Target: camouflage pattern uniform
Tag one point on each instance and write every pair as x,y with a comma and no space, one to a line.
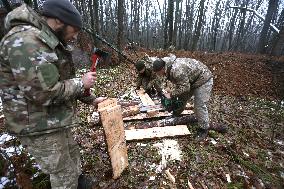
148,80
190,77
39,92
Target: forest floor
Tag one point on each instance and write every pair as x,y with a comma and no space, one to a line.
248,96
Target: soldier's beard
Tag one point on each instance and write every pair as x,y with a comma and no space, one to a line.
60,33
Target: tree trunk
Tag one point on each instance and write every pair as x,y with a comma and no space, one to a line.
7,5
263,39
91,8
188,24
96,21
215,25
102,29
120,12
35,4
171,21
198,25
177,22
232,28
29,2
241,31
278,47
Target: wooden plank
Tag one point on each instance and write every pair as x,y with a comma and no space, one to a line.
131,111
111,117
145,99
110,102
142,116
152,112
156,132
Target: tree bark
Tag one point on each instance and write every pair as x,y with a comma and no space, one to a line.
198,25
120,12
278,47
35,4
263,39
7,5
177,23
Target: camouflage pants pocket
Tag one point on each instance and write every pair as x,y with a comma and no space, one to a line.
58,155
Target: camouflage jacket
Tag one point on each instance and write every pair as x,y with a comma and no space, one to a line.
148,79
37,77
186,74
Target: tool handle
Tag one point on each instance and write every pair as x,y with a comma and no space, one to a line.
95,59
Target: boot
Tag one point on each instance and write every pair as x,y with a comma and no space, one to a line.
201,134
86,182
218,127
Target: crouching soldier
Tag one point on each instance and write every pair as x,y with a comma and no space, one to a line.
190,77
147,79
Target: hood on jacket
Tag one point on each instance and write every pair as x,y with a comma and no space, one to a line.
22,15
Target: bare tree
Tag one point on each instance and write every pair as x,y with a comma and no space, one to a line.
7,5
215,25
168,28
188,23
198,25
240,29
120,12
177,21
263,39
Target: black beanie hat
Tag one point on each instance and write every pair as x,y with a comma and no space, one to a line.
158,65
63,10
139,65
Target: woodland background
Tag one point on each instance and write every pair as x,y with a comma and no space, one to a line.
206,25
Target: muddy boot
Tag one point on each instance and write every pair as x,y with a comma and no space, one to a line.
218,127
201,134
86,182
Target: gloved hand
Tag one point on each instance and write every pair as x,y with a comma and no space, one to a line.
167,103
178,106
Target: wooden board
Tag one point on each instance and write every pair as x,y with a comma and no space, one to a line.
131,111
110,102
156,132
111,117
142,116
145,99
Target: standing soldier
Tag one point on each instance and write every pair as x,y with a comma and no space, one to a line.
39,88
147,79
191,77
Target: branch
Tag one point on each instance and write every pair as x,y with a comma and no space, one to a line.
109,44
274,28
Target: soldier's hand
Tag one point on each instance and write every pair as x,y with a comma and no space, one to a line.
89,79
98,100
167,95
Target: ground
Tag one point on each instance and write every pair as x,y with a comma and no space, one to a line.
247,96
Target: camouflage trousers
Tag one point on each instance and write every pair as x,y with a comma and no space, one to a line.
58,155
201,97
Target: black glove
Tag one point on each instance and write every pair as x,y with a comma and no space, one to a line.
178,106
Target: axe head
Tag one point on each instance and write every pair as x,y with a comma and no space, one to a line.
102,54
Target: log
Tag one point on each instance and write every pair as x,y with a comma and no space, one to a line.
111,118
156,132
